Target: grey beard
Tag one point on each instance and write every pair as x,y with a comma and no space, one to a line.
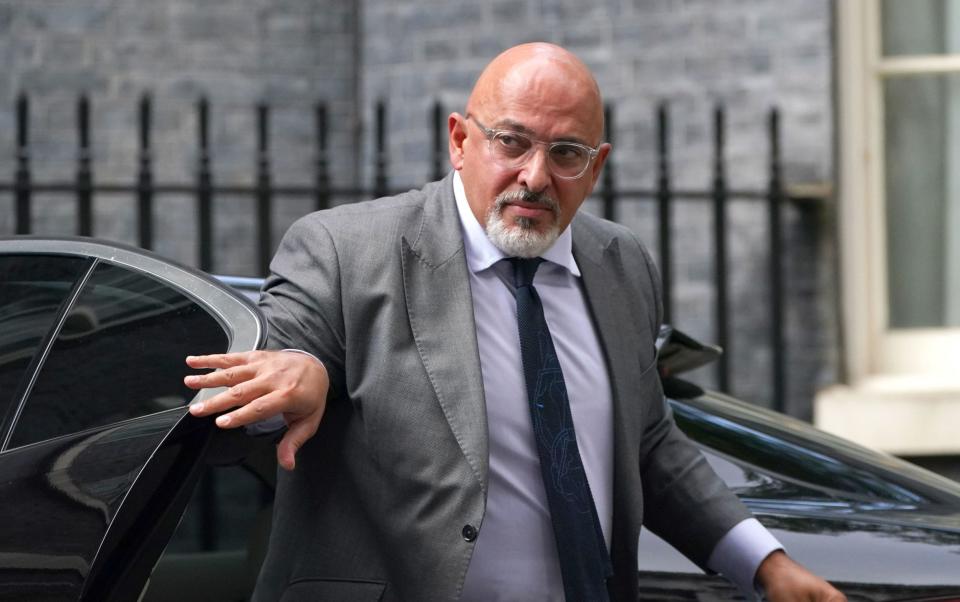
521,239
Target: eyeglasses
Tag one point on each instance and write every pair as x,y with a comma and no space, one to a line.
567,160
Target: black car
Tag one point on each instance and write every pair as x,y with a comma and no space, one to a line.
876,527
112,491
99,456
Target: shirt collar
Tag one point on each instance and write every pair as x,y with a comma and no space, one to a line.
481,253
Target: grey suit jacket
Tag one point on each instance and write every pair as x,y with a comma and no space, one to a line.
377,505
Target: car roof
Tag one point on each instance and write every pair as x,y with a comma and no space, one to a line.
794,449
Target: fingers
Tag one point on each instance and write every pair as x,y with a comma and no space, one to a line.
261,408
261,398
254,393
221,360
784,580
293,440
260,385
226,377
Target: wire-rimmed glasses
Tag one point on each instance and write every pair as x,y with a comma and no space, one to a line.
567,160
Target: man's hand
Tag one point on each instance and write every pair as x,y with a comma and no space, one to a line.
263,384
783,580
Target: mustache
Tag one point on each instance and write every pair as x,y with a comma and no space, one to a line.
526,196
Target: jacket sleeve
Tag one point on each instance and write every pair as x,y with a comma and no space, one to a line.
302,297
685,502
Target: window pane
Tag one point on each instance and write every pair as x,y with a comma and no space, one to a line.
920,27
119,355
922,172
32,289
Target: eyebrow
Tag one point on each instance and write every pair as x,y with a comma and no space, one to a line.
518,127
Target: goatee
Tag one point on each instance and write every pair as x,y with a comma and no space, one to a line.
521,238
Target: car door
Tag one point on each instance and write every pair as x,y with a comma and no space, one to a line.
99,455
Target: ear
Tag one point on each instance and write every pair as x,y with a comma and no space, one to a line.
602,152
457,129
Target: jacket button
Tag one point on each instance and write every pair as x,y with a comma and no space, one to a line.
469,532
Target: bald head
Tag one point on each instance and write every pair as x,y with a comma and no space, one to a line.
542,77
530,107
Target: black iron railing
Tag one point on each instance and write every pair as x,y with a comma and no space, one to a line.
264,190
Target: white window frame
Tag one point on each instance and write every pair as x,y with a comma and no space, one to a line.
902,384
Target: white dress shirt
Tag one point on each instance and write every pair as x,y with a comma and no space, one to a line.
515,557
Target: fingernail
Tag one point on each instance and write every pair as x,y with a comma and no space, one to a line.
223,420
189,379
196,408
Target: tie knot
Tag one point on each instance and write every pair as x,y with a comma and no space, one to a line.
524,269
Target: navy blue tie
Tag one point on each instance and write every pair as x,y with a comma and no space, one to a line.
584,561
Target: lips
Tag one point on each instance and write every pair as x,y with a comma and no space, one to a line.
530,210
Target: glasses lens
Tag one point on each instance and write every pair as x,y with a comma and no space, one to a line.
568,160
510,147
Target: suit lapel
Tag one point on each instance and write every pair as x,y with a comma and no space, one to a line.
440,308
601,268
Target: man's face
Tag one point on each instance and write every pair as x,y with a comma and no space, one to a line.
524,206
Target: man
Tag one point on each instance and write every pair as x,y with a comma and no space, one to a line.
431,474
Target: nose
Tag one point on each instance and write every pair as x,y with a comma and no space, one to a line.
535,173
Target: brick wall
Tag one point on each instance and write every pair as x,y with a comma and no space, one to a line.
750,55
287,53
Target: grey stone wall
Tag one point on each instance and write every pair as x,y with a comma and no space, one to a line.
749,55
289,54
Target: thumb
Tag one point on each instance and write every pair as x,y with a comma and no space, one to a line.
292,441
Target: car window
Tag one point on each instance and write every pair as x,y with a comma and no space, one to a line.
32,290
749,482
119,355
775,457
